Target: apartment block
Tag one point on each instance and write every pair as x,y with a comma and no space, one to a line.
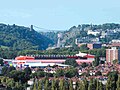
112,54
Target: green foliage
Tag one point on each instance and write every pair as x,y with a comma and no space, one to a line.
115,61
40,74
51,35
53,85
71,85
35,86
109,84
27,71
85,74
112,79
10,84
81,31
96,62
71,61
7,53
92,85
39,85
101,86
61,87
19,76
118,84
85,82
71,72
56,84
82,86
84,47
84,65
6,70
59,73
46,87
20,38
1,62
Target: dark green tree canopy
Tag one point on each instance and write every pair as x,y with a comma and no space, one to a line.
71,61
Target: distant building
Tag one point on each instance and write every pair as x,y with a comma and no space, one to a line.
59,43
115,43
95,40
95,33
49,60
94,45
112,54
103,34
31,28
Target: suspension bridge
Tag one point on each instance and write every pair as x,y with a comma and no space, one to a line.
40,29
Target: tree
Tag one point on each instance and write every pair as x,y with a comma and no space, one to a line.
85,84
18,76
53,85
77,85
97,87
83,34
92,84
96,62
101,86
59,72
80,85
109,84
71,72
1,62
85,74
6,70
56,84
40,74
46,87
66,83
115,61
113,77
70,85
71,61
10,83
27,71
18,86
39,85
61,87
35,86
118,84
83,47
84,65
95,84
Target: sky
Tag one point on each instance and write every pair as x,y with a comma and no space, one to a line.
59,14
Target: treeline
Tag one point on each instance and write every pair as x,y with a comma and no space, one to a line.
9,53
105,26
21,38
69,84
12,79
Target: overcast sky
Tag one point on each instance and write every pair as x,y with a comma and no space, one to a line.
59,14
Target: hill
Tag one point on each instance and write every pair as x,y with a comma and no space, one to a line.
106,33
21,38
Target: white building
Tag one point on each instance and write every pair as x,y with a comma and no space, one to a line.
93,32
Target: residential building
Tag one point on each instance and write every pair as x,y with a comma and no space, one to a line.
95,33
112,54
94,45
